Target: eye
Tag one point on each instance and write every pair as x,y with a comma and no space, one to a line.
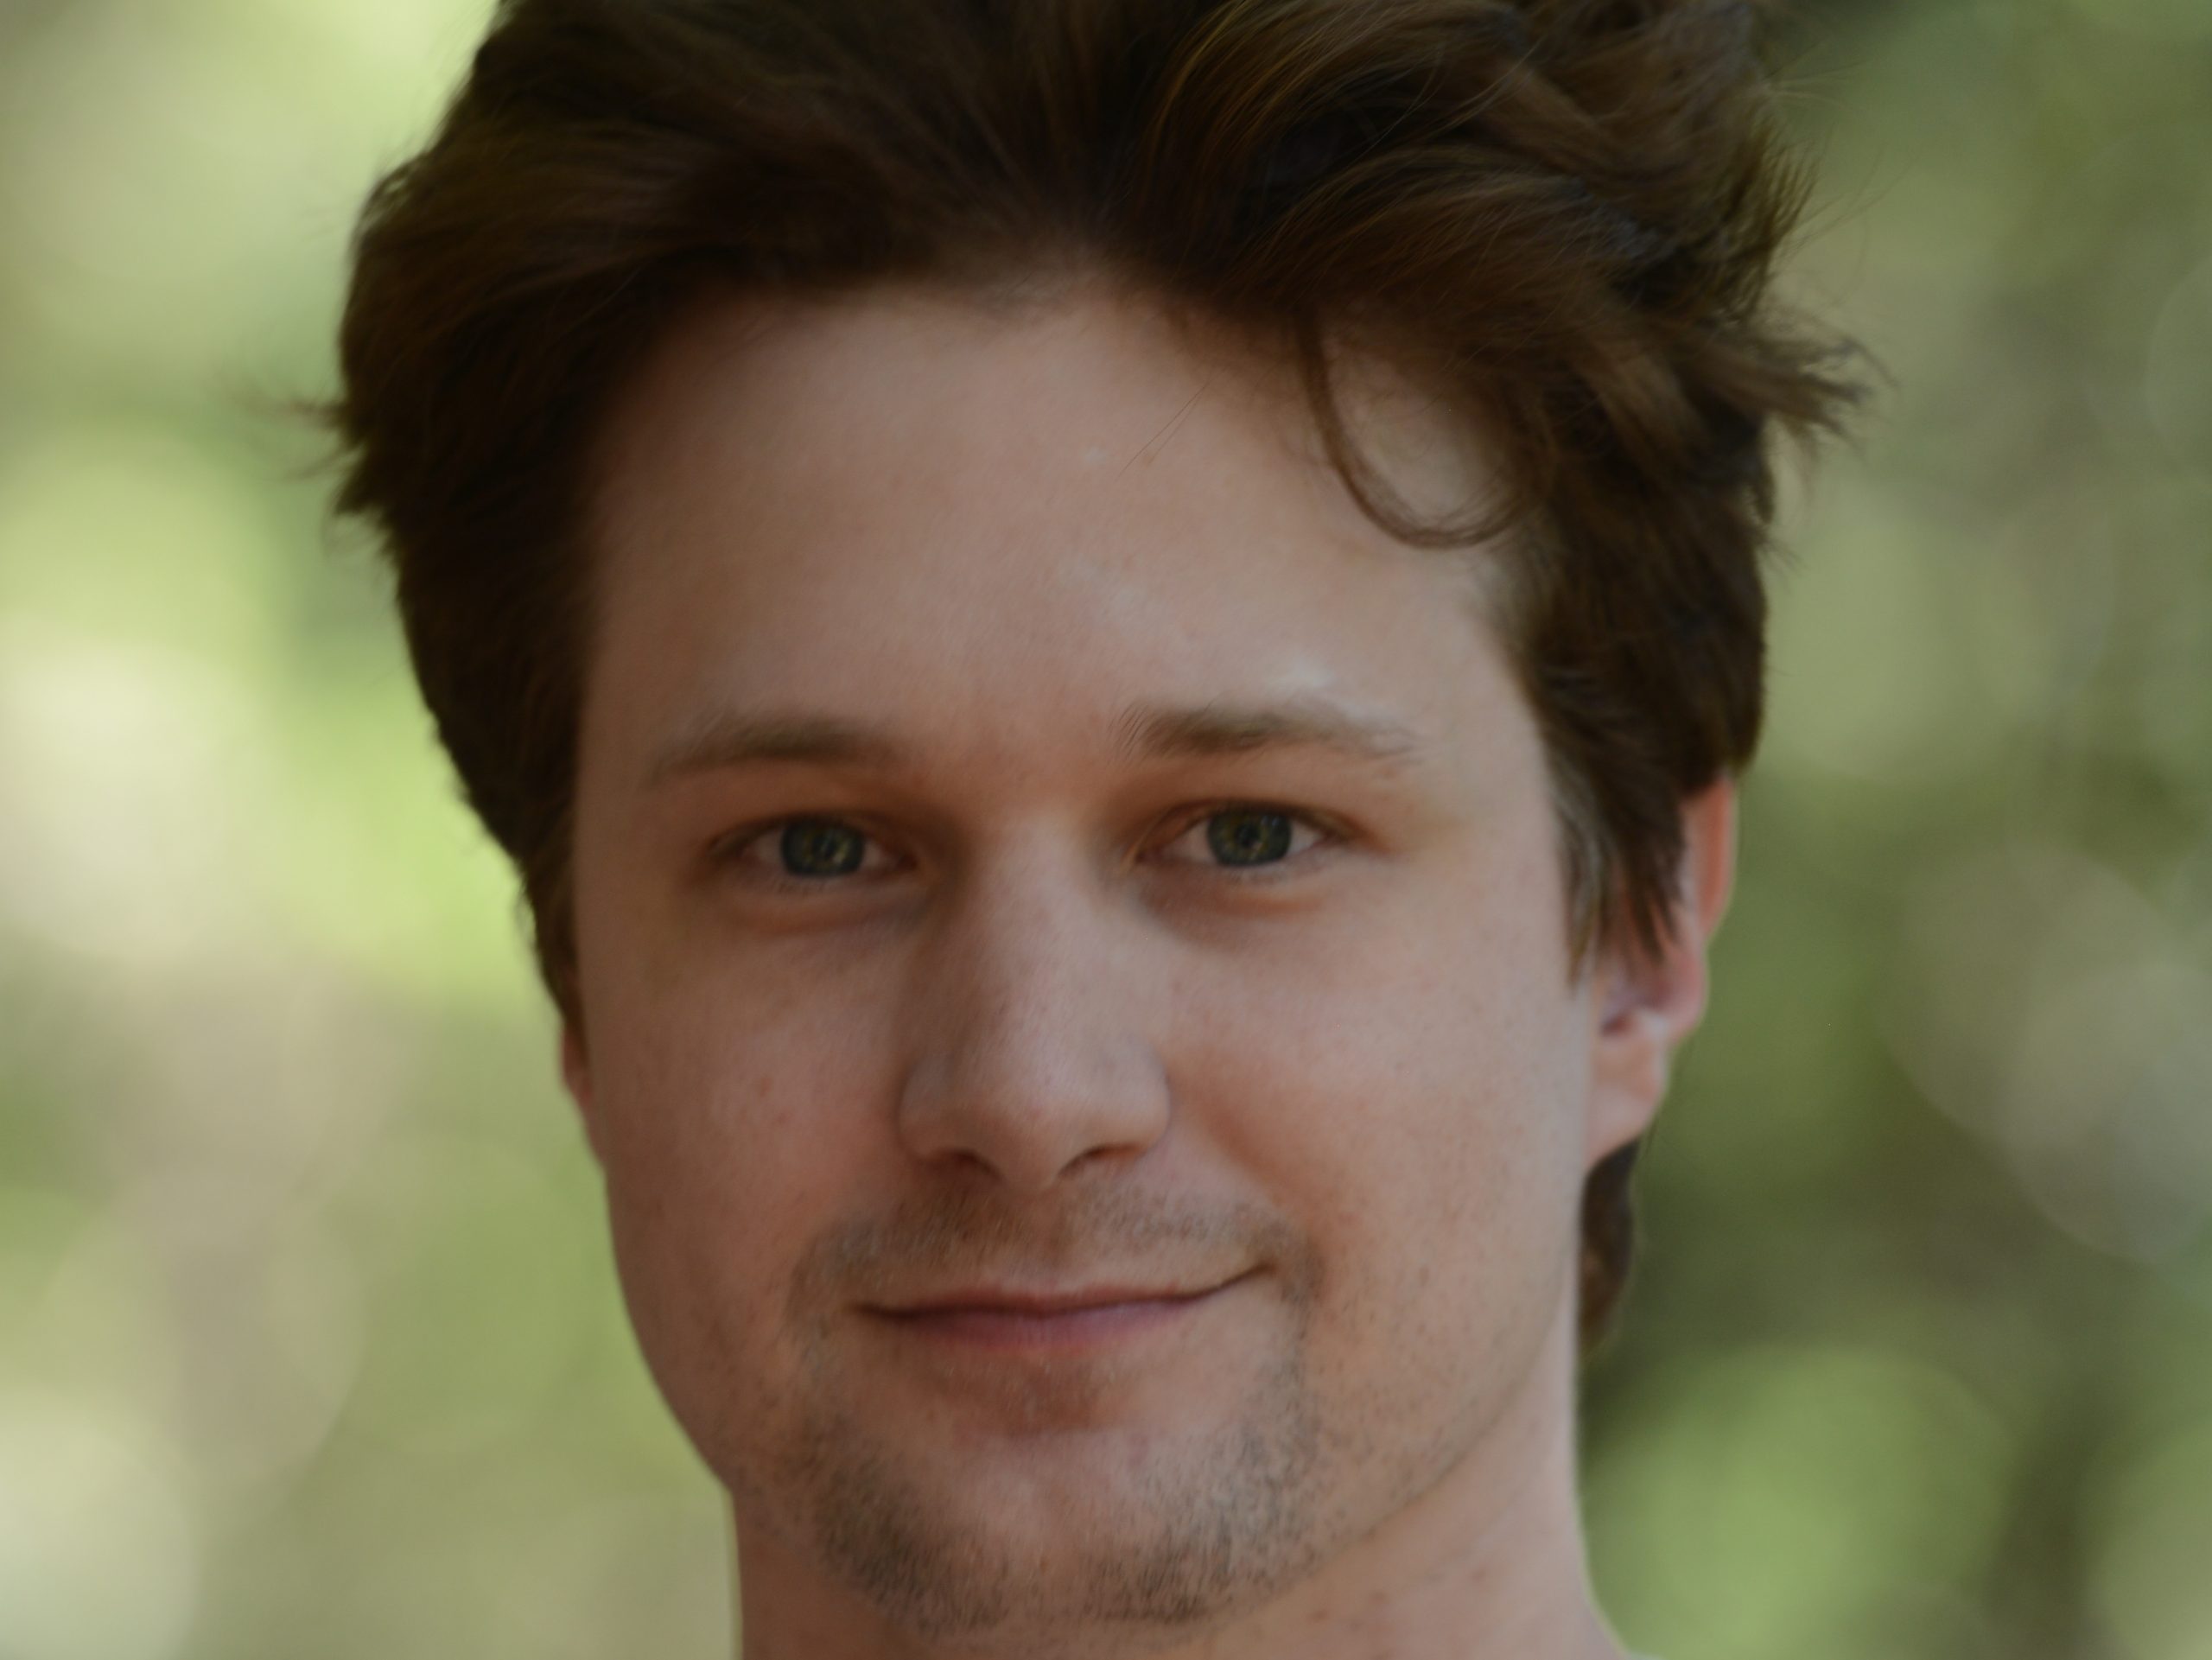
798,854
1247,839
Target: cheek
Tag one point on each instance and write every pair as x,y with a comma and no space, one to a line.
1413,1094
736,1125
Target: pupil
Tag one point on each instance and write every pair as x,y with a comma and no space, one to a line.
818,848
1249,837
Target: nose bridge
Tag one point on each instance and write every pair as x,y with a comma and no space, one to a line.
1032,1048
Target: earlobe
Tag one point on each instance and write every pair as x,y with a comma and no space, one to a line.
1647,1003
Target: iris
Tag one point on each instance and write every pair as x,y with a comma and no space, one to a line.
821,847
1248,835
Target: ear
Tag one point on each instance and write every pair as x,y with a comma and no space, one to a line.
1644,1005
575,1074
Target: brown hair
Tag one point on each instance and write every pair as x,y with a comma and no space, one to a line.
1563,215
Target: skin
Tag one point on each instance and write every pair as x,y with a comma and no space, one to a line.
1289,1026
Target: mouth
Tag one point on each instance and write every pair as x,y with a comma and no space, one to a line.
1005,1320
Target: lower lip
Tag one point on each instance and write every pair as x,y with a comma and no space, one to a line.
1000,1331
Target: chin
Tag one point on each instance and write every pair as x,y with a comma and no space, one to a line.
1102,1541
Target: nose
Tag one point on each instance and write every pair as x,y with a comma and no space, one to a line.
1032,1053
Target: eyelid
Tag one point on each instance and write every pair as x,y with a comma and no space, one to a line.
725,851
1326,834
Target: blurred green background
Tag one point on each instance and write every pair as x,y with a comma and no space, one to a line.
310,1342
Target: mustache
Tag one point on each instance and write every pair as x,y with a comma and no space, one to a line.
1089,1232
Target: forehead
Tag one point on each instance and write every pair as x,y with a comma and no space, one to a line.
935,369
1013,519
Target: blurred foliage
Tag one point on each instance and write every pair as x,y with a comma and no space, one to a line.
309,1343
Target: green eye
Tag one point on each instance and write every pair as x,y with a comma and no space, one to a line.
1248,841
815,848
1248,835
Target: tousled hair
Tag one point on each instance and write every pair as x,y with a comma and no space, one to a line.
1562,216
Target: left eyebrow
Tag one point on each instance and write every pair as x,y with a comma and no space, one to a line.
1155,732
731,739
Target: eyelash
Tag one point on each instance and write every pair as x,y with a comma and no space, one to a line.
727,852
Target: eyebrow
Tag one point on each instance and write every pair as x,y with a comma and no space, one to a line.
730,739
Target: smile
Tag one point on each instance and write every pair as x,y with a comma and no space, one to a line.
1013,1323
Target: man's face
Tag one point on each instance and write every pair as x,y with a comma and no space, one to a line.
1078,1029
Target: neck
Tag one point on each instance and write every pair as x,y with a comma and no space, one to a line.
1487,1564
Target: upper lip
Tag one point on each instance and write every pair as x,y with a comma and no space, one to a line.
1014,1300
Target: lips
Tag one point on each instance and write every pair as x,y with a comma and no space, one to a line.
1006,1318
1041,1304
